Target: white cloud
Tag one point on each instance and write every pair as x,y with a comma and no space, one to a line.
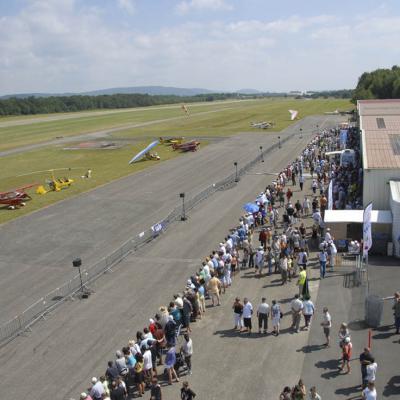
186,6
56,45
127,5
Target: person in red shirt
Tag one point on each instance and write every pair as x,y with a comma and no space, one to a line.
152,326
347,348
289,195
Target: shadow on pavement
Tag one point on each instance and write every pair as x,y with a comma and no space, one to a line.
357,325
349,391
392,388
333,365
230,333
311,348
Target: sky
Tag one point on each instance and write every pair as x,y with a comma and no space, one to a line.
58,46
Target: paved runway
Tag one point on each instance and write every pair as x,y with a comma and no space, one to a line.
58,358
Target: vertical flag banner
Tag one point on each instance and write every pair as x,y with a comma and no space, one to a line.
367,234
330,195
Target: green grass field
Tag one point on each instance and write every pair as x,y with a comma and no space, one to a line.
237,118
21,135
108,165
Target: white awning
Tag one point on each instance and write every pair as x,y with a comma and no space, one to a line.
356,216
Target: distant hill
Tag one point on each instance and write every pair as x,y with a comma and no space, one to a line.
151,90
248,91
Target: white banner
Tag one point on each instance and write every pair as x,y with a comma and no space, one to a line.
330,195
367,233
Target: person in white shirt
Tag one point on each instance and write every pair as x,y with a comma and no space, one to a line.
263,314
326,324
260,260
371,370
306,206
369,393
332,256
247,314
296,306
328,236
187,349
148,364
308,311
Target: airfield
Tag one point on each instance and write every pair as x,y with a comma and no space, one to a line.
73,344
45,143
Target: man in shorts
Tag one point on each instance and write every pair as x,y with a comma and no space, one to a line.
326,325
247,314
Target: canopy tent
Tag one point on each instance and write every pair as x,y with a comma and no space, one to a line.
356,216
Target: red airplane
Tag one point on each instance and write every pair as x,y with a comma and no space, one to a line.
17,197
188,146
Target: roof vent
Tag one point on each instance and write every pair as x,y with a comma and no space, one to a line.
395,142
381,123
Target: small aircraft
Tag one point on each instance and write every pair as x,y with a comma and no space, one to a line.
340,112
262,125
145,153
185,109
188,146
293,114
54,184
17,197
336,112
172,140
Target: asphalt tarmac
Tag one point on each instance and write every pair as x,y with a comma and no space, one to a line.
59,357
38,249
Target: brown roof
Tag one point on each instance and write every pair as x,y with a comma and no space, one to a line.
380,121
379,107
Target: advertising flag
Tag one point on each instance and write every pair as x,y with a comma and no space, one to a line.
330,195
367,234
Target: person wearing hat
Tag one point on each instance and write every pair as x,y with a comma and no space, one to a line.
328,236
346,354
84,396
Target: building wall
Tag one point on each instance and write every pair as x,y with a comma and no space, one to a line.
395,207
376,187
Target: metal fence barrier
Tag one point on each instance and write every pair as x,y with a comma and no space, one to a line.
22,323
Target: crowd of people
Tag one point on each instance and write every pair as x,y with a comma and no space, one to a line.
166,341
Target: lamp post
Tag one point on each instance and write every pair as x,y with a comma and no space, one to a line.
77,264
183,216
279,141
262,155
236,171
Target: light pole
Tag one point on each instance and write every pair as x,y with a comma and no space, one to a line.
77,263
279,141
236,171
262,155
183,216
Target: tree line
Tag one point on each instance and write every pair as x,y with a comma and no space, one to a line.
383,83
56,104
